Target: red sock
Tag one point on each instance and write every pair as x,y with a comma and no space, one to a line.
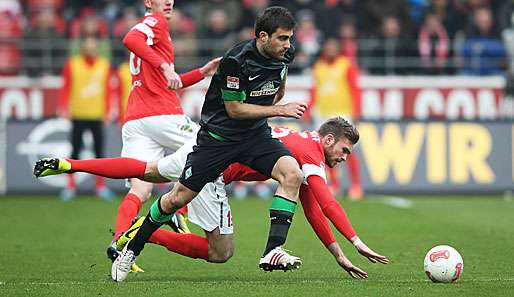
110,167
127,211
99,183
189,245
353,170
71,182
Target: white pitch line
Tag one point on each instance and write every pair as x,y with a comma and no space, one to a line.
394,201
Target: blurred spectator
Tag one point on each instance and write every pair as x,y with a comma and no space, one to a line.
35,7
10,35
85,98
417,11
122,25
44,47
433,45
393,54
336,92
371,14
483,51
42,4
200,10
299,5
348,37
127,20
464,9
217,36
446,13
308,39
89,24
333,12
251,9
183,32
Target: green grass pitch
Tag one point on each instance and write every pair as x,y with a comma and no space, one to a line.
53,248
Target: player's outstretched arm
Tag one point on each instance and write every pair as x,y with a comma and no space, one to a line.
210,67
320,225
333,210
330,207
246,111
192,77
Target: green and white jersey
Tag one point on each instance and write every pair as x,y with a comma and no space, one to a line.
243,75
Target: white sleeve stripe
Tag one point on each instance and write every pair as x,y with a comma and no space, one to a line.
147,31
311,169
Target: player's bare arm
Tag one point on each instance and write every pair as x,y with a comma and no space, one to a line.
210,67
173,79
244,111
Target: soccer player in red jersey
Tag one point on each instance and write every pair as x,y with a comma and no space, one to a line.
314,150
154,119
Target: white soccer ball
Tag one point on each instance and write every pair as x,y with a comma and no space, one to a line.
443,264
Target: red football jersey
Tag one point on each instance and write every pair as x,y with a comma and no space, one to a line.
305,146
149,95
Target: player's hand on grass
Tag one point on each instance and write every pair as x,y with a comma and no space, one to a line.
293,110
374,257
210,68
174,81
352,270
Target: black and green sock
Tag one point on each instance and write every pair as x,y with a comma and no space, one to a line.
281,214
154,220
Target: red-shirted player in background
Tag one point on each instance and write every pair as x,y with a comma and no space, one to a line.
313,150
154,119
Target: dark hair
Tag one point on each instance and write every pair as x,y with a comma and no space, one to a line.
272,18
340,128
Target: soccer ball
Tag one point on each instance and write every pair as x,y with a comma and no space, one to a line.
443,264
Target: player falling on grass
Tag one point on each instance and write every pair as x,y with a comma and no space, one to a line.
154,120
313,150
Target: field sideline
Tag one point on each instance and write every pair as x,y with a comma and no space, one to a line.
53,248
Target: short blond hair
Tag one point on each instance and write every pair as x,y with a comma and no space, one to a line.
340,128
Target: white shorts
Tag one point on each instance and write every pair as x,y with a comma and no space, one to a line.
147,139
210,209
172,165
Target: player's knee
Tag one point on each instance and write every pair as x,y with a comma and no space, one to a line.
168,202
177,198
220,256
142,191
292,178
151,169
